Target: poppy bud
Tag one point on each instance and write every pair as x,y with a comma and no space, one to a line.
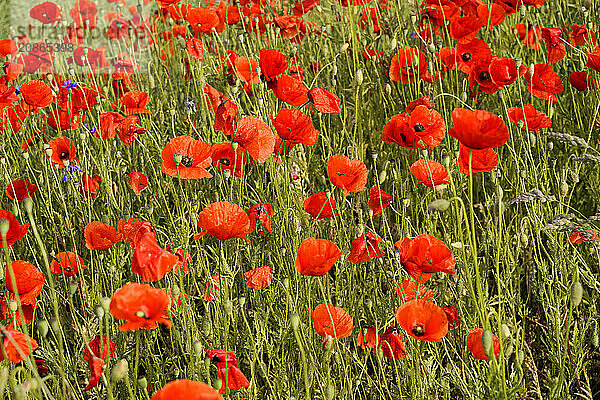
379,354
228,307
142,383
594,340
456,245
42,327
487,341
505,330
368,303
334,70
531,70
15,209
25,155
99,311
431,48
175,291
151,81
330,391
13,306
105,303
413,19
242,301
439,205
520,357
4,227
328,346
119,371
73,286
563,189
550,146
532,139
464,97
589,25
344,47
388,89
359,77
576,293
360,230
217,384
518,62
406,202
509,350
382,176
524,240
499,192
294,321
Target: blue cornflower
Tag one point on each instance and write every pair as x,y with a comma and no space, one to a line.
71,168
69,84
90,131
18,90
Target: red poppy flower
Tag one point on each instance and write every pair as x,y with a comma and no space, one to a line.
224,221
544,82
407,65
138,182
481,160
142,306
8,313
186,389
421,101
315,257
429,172
46,12
232,378
478,129
378,200
108,122
213,97
332,321
324,101
319,205
423,320
398,130
580,34
465,28
261,212
530,35
259,278
7,46
490,14
425,255
36,93
63,150
503,70
193,157
224,157
349,175
90,185
20,189
428,125
66,263
28,279
24,343
582,80
202,19
101,347
246,70
96,368
410,290
226,117
593,61
135,102
469,54
290,90
195,48
367,337
532,119
212,287
151,261
100,236
272,64
391,345
63,120
84,14
293,126
133,229
475,344
365,248
15,231
556,48
184,261
255,137
452,315
583,236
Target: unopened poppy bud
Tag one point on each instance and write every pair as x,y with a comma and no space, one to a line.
518,62
590,25
13,305
394,43
286,283
563,189
505,330
499,192
73,286
532,138
25,155
413,19
524,240
456,245
228,307
359,77
576,293
119,371
509,350
344,47
105,303
330,391
151,81
207,362
374,154
294,321
42,327
382,176
487,341
594,340
379,354
388,89
439,205
406,202
368,303
15,209
242,301
360,230
177,157
464,97
446,160
99,311
142,383
4,226
520,357
175,291
520,124
531,70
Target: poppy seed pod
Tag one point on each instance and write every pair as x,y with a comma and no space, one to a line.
13,306
576,293
563,189
119,371
142,383
42,327
439,205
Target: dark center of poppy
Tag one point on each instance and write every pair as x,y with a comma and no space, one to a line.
466,57
419,127
63,155
418,330
225,161
187,161
260,210
484,76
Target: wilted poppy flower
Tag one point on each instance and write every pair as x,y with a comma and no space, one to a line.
133,229
293,126
186,158
544,82
425,255
100,236
195,48
255,137
475,344
319,205
101,347
429,172
15,231
151,261
481,160
20,189
138,182
391,345
28,279
290,90
24,343
224,220
324,101
407,65
36,93
226,117
96,368
532,119
365,248
478,129
332,321
423,320
584,236
378,200
316,256
259,278
349,175
261,212
556,48
186,389
66,263
272,64
367,337
142,306
407,290
63,150
452,315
